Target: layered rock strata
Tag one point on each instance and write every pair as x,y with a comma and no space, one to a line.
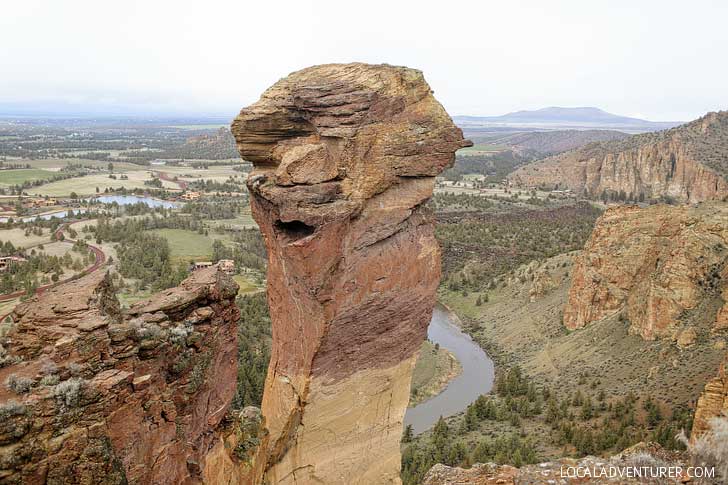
655,265
92,394
687,163
712,403
345,158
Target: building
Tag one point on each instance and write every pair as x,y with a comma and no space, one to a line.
197,265
7,261
38,202
227,265
190,196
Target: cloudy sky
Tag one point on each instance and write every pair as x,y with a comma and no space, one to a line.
662,60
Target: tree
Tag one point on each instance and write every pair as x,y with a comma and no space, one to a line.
110,166
408,434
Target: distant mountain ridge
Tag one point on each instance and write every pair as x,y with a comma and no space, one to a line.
688,163
560,116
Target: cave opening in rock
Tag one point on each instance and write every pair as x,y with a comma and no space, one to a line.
294,230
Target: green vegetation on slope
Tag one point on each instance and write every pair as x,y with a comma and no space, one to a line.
254,341
20,176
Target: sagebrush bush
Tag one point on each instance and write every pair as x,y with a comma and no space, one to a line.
18,384
49,380
11,408
711,448
68,393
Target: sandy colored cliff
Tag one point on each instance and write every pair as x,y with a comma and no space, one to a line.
663,267
687,163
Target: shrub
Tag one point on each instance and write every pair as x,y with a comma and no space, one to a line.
49,380
10,409
68,393
5,359
711,449
178,335
18,384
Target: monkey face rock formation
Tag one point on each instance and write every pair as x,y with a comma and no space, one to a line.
686,163
345,158
658,265
97,396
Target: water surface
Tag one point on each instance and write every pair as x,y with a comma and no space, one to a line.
476,378
134,199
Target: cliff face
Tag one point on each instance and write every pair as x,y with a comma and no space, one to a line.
94,395
713,402
687,163
345,157
656,264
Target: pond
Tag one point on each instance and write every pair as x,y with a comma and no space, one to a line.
134,199
47,216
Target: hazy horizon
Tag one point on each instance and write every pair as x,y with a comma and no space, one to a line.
653,60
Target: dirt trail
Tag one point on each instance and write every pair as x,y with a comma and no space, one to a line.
165,176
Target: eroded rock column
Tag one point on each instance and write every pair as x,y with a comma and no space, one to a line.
345,159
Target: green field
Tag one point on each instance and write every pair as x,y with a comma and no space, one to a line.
19,176
246,286
481,148
55,164
87,184
434,368
186,245
244,220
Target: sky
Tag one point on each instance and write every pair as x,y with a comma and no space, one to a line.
659,60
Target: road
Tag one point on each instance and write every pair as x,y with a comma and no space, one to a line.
100,259
165,176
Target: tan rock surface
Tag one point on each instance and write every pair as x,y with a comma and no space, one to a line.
686,163
564,471
124,397
345,158
652,264
712,403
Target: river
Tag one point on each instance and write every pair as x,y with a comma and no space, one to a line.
47,216
476,378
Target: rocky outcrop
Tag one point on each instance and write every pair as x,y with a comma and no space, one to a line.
687,163
345,158
712,403
95,395
567,470
655,264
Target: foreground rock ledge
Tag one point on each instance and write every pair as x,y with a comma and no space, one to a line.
104,396
345,158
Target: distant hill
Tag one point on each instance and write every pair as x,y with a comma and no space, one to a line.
556,141
586,117
688,163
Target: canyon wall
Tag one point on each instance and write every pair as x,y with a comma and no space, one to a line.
92,394
712,403
656,265
345,160
687,163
